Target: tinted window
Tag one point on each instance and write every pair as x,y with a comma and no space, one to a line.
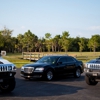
63,59
92,61
98,61
70,59
48,59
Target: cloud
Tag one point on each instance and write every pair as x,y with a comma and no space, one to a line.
22,27
94,28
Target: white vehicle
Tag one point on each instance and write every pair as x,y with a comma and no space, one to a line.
7,72
92,71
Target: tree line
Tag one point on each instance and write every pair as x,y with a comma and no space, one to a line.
29,42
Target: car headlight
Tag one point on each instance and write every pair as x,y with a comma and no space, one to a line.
22,68
9,68
14,68
39,69
86,70
85,65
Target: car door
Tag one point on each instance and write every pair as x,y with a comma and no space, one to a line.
70,67
61,65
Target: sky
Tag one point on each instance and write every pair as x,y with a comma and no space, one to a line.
81,18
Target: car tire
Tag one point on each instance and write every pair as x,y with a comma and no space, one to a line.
90,81
49,75
77,73
8,85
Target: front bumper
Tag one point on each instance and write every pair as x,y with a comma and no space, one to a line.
6,76
32,75
94,74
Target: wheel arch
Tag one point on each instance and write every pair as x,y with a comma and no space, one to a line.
80,67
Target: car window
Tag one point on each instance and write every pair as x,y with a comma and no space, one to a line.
98,61
48,59
70,59
92,61
63,59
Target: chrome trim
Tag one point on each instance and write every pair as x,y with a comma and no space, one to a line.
5,68
93,66
28,69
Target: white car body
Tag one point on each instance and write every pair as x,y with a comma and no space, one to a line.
4,61
6,66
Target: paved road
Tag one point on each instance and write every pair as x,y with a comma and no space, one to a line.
67,88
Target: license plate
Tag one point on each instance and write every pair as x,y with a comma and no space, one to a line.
94,74
1,80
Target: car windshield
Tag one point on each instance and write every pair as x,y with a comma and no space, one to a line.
48,59
92,61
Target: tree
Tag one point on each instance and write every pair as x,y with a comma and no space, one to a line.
55,43
94,42
65,41
48,41
19,45
39,45
29,41
6,32
81,44
42,44
1,41
73,44
48,36
13,44
6,37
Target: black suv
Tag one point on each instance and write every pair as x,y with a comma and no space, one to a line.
50,66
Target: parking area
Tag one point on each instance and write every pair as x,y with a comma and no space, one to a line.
66,88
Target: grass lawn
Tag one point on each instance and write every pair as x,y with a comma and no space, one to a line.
16,58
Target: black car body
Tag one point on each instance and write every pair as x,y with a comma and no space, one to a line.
50,66
92,71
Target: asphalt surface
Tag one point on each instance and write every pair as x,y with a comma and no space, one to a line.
66,88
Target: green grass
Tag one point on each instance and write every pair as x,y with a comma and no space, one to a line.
16,58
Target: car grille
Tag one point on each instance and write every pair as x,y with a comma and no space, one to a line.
28,69
95,66
5,68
